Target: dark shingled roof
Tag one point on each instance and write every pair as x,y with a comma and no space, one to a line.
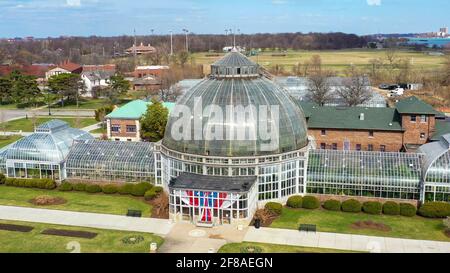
332,117
413,105
442,128
190,181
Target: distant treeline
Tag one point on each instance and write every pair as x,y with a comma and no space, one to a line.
101,49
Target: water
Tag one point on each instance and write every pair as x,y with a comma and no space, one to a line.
431,42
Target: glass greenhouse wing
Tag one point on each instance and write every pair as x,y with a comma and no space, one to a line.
113,161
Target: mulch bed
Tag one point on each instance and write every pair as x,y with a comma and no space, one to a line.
70,233
17,228
47,201
371,225
160,207
447,233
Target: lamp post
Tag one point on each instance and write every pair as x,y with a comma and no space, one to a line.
187,42
171,42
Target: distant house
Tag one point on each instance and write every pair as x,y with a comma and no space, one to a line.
150,70
140,50
123,124
64,67
94,80
148,83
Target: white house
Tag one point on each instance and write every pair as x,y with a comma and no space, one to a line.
95,79
56,71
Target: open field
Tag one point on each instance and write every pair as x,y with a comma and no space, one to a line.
106,241
76,201
270,248
27,125
6,140
336,59
340,222
87,104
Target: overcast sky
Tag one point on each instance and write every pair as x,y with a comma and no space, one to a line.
42,18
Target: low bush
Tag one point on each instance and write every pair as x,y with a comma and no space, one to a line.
333,205
65,186
310,202
373,207
79,187
46,184
93,188
391,208
141,188
295,202
435,210
110,189
150,194
126,189
2,179
158,189
407,210
274,208
351,205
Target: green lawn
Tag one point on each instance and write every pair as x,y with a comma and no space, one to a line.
340,222
271,248
76,201
335,59
6,140
99,131
88,104
27,125
107,241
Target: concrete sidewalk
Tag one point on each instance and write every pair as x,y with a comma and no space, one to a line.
82,219
344,241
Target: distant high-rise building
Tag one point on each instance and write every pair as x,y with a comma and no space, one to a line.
444,30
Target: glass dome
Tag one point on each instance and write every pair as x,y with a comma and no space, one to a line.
238,91
51,142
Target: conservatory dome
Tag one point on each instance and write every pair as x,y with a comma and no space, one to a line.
235,82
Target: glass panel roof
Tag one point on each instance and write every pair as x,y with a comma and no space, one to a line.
114,156
50,143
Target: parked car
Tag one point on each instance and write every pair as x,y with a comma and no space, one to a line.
384,86
397,92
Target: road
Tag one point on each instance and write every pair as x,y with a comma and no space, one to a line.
18,113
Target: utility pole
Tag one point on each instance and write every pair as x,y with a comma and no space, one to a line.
134,47
152,31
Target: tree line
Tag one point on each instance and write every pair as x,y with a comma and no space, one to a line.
97,50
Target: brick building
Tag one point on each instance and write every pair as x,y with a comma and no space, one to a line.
123,124
404,128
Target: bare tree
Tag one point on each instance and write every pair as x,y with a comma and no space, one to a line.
355,89
316,63
391,56
446,74
319,90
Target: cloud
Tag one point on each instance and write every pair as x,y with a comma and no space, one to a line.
73,3
374,2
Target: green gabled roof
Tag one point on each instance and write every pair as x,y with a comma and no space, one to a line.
442,128
413,105
330,117
135,110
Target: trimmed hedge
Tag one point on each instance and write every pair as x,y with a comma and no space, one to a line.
407,210
46,184
110,189
150,194
435,210
332,205
65,186
79,187
310,202
351,205
141,188
295,202
373,207
93,188
158,189
391,208
126,189
275,208
2,179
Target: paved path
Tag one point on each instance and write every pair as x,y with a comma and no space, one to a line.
83,219
92,127
13,114
344,241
